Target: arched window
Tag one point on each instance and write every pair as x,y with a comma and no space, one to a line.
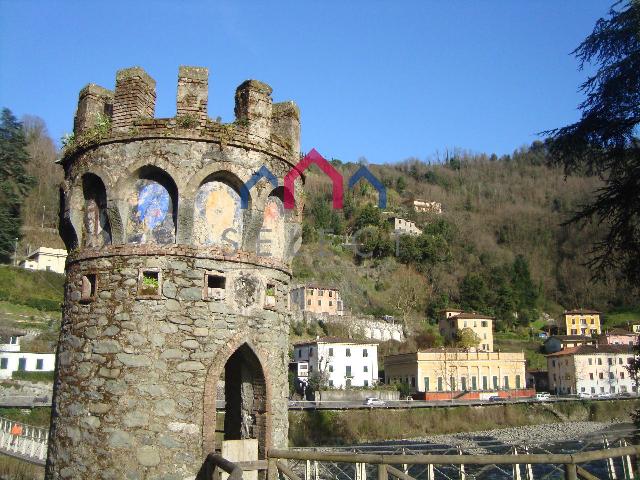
96,230
218,218
152,208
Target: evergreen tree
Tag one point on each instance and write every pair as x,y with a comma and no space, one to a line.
525,292
605,140
473,293
14,181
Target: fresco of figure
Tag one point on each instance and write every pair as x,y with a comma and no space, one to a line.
150,214
96,230
218,216
272,231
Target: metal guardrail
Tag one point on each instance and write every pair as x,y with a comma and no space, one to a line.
29,445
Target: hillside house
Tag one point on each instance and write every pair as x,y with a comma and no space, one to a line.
12,359
453,321
44,258
422,206
618,336
581,322
591,370
557,343
346,363
403,227
317,299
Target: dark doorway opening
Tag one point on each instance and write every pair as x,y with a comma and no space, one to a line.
245,398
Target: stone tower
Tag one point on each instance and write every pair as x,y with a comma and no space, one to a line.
176,297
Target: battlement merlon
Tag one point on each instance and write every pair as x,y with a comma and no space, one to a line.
135,98
134,102
94,104
193,95
285,123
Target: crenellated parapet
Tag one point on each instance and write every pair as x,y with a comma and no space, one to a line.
130,110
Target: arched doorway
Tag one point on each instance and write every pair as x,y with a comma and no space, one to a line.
245,398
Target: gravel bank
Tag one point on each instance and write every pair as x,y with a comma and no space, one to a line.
527,435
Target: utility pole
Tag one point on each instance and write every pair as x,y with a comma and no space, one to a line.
15,252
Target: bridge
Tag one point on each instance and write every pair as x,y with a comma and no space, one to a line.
596,457
29,445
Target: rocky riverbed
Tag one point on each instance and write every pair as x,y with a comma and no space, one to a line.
530,435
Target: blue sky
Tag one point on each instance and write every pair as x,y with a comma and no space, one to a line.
383,80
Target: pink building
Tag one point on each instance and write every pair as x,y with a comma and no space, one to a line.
618,336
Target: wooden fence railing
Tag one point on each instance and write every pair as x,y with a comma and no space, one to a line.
385,463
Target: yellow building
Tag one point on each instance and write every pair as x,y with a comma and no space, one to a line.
581,322
453,370
452,322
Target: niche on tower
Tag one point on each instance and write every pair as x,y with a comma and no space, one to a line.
245,398
152,207
96,231
218,218
272,234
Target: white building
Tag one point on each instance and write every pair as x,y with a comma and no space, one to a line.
424,206
12,359
404,227
347,363
591,370
45,258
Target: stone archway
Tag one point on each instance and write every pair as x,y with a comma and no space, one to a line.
246,398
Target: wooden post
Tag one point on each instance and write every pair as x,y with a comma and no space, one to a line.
307,470
382,472
272,469
570,471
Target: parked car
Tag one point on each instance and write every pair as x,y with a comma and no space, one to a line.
495,398
585,395
543,396
374,402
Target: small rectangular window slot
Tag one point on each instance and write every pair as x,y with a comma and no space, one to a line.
89,287
270,296
215,285
149,283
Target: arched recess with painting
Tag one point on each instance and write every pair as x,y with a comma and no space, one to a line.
96,228
218,218
273,238
152,207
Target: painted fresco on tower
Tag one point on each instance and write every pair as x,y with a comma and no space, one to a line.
96,231
272,232
150,214
218,216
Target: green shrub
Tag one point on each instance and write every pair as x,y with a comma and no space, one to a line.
33,376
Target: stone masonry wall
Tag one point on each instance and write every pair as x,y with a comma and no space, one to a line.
132,373
162,304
